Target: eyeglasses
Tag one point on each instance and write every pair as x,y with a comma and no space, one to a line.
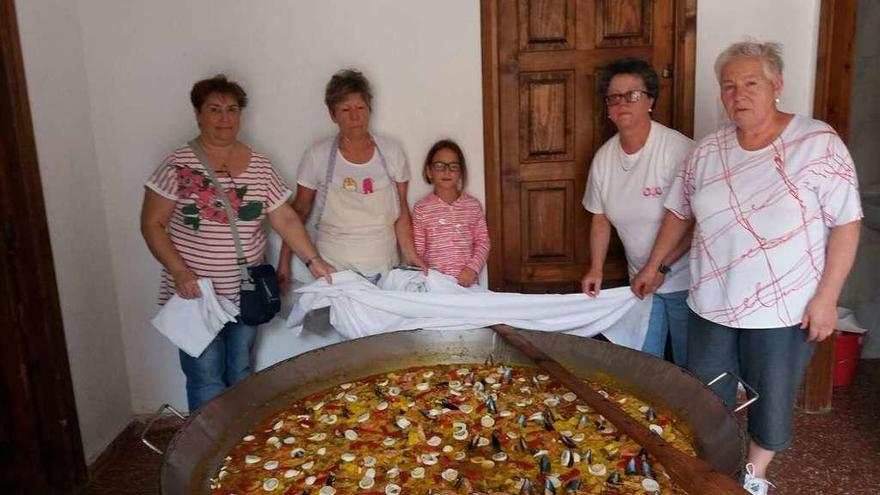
451,166
630,96
217,110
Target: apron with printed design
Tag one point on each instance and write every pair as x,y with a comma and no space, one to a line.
355,231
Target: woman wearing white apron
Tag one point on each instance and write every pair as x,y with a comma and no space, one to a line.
356,184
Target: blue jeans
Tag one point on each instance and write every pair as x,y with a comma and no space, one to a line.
225,362
669,316
771,360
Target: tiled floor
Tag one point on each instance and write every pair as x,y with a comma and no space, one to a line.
836,453
832,454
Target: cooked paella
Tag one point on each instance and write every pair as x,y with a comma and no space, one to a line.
449,429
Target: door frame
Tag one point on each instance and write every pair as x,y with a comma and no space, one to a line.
44,430
683,110
834,56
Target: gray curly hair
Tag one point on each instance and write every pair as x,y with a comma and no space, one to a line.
769,52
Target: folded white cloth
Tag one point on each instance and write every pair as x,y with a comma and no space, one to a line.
408,299
191,324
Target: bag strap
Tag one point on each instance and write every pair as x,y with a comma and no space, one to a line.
206,163
321,198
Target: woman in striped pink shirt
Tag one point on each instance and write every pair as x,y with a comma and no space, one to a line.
448,225
186,227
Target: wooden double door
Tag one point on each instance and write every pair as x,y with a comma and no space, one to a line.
544,120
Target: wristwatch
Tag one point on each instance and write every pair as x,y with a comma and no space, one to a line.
664,269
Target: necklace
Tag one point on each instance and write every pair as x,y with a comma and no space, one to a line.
221,164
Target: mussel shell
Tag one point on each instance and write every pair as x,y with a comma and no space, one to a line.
507,376
474,442
526,487
587,456
490,405
496,441
614,478
544,464
549,489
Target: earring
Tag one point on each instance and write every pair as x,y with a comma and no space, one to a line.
650,110
776,100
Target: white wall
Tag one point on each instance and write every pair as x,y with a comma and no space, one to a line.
794,23
59,100
141,58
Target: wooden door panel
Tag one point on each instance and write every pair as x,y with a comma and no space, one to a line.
547,230
623,23
546,25
546,116
546,120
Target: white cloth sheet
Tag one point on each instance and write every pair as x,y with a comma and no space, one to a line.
407,300
191,324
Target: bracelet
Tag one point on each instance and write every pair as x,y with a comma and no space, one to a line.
664,269
312,260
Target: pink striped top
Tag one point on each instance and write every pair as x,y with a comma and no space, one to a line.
451,237
199,227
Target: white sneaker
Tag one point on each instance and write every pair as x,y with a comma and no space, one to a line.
754,484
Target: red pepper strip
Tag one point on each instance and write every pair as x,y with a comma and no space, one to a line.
565,478
422,394
624,452
522,464
367,429
471,475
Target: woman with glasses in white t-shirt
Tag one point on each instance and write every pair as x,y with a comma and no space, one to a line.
628,181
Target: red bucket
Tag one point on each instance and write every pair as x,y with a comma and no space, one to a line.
847,346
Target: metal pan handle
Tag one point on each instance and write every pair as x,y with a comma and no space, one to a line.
753,392
152,420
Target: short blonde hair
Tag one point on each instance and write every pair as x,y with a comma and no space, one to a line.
769,52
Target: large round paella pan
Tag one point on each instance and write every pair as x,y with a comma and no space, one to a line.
199,448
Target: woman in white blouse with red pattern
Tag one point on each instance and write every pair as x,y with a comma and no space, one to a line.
775,204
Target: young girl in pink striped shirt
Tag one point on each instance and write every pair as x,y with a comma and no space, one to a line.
448,225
